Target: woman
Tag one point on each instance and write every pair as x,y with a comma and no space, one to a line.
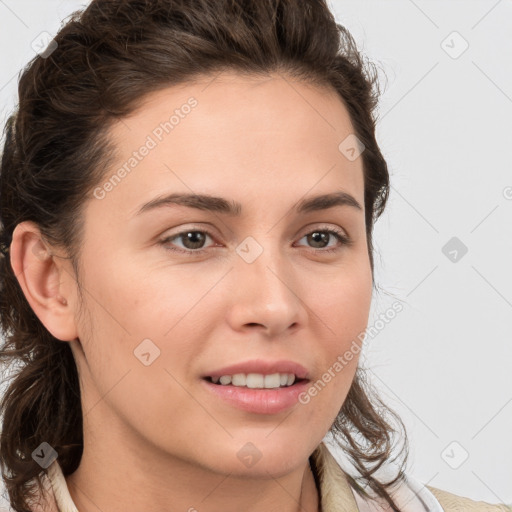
188,196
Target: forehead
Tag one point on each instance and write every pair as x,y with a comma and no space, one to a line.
233,133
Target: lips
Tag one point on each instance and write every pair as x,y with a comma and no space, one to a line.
263,367
256,401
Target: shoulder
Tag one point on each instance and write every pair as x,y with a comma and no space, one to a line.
453,503
337,493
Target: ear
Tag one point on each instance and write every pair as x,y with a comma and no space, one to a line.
46,281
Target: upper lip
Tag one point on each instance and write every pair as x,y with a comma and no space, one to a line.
262,366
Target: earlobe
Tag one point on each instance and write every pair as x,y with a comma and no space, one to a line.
39,274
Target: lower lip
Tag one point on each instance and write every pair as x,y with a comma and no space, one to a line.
261,401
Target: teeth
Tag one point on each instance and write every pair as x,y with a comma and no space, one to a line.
238,379
256,380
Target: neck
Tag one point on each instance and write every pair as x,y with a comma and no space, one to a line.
114,478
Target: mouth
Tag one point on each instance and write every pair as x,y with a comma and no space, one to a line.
256,380
257,393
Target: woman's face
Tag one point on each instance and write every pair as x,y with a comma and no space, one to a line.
251,282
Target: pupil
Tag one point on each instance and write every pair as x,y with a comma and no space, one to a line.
192,237
320,235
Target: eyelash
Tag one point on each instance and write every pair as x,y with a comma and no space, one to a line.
341,237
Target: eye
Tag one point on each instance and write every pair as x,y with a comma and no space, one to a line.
193,241
321,237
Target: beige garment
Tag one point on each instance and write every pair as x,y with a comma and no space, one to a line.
458,504
336,495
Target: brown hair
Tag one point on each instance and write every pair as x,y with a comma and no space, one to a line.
106,60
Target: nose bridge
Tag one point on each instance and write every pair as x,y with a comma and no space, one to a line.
266,287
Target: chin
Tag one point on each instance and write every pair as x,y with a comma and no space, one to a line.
263,453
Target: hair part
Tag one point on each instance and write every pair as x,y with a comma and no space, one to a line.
57,150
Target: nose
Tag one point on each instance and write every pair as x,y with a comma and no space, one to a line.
267,296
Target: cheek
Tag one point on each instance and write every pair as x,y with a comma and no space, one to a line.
127,363
136,303
351,324
344,301
344,308
148,326
349,309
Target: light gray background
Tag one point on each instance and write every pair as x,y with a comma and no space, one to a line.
444,362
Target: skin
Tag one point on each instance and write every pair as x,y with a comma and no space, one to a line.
154,438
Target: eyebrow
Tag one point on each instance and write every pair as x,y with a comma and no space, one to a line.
233,208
